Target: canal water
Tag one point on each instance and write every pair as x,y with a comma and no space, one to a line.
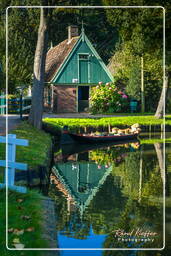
111,196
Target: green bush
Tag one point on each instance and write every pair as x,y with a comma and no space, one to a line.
106,98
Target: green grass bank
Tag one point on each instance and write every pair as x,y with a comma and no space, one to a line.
25,210
54,125
25,219
36,153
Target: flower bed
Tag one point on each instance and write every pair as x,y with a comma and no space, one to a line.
108,98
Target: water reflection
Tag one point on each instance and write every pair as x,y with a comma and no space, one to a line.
109,197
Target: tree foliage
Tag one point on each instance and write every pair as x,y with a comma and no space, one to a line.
141,35
23,26
22,32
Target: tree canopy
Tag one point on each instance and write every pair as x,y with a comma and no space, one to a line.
23,26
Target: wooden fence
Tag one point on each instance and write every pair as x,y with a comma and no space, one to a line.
10,164
19,105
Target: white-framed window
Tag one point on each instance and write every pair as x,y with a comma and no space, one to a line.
83,56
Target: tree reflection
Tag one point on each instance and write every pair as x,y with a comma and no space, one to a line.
129,198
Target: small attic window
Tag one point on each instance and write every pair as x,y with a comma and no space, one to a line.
83,56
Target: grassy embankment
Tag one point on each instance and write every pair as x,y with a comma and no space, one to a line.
25,210
56,124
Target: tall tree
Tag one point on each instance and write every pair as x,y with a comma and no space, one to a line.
161,105
166,80
142,27
35,117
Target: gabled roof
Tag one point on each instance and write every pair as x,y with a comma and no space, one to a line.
59,56
56,57
69,179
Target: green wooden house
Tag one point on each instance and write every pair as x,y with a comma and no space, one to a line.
72,68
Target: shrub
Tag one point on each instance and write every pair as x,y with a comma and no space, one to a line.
106,98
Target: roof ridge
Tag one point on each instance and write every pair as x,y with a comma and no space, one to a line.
75,37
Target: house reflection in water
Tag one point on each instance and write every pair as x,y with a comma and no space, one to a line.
79,180
107,188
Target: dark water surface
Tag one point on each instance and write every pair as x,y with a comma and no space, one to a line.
111,196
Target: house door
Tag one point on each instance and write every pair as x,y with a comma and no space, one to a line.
83,98
83,68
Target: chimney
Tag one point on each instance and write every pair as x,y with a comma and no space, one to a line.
72,31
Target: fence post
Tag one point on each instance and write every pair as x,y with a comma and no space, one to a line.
2,104
21,106
11,158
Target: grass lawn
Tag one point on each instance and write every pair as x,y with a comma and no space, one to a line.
56,124
39,144
24,223
25,210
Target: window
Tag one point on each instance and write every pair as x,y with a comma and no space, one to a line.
83,56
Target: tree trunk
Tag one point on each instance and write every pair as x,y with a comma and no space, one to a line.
141,176
142,86
160,109
160,157
36,112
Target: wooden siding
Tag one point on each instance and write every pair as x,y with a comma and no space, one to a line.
83,71
72,70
